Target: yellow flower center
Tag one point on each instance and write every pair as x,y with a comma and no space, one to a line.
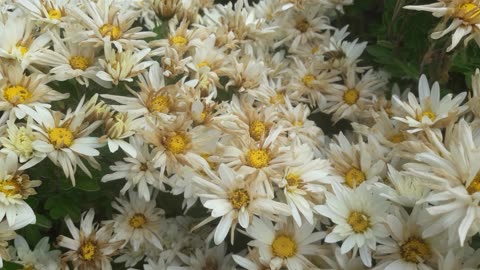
284,246
22,141
428,114
23,49
176,144
315,49
397,138
474,185
113,31
257,130
10,187
298,123
258,158
203,64
351,96
54,14
87,251
354,177
358,221
308,80
79,62
415,250
159,103
469,12
277,99
239,198
293,180
137,220
16,94
178,41
60,137
143,167
302,25
29,267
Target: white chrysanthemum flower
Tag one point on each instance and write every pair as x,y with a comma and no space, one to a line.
208,258
117,128
6,234
20,42
429,110
41,257
453,175
358,217
335,260
285,245
64,138
139,171
91,247
19,90
69,60
407,248
48,12
138,221
19,139
105,24
15,187
303,187
231,198
465,16
251,261
121,65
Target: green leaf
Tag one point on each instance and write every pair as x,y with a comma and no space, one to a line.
88,184
43,221
11,266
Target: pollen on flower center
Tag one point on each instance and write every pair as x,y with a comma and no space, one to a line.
176,144
358,221
79,62
54,14
203,64
23,49
428,114
277,99
258,158
293,180
308,80
474,185
284,246
10,187
60,137
239,198
354,177
302,25
87,251
178,41
351,96
468,12
397,138
415,250
159,103
137,220
113,31
257,130
16,94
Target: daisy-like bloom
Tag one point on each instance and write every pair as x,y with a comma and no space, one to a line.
64,138
138,171
453,174
251,261
19,90
6,234
15,187
19,140
358,217
209,258
48,12
138,221
303,187
91,247
122,65
20,42
117,128
245,73
354,164
286,244
463,14
105,23
407,249
41,257
335,260
230,197
355,97
428,111
179,40
70,60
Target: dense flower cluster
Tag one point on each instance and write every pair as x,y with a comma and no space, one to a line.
214,104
